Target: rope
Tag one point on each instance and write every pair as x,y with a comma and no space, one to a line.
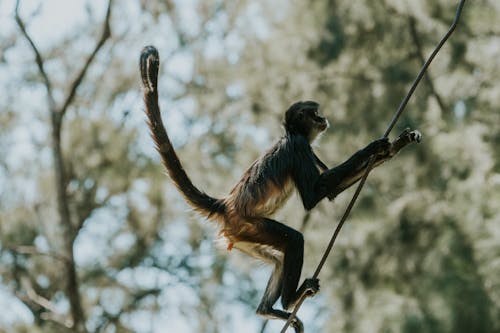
394,119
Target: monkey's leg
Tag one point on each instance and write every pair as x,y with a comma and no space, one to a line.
405,138
271,295
283,246
292,267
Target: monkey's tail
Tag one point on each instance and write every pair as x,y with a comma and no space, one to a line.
200,201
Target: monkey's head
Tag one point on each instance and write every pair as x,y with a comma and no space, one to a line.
304,118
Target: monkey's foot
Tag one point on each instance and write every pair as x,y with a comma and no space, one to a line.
310,287
270,313
297,325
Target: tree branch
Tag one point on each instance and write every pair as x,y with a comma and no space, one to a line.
420,56
34,297
106,33
69,232
42,307
38,58
40,312
33,251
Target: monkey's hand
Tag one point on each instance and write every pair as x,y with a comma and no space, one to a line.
380,146
310,287
410,136
406,137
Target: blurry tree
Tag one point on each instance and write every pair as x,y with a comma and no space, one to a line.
94,238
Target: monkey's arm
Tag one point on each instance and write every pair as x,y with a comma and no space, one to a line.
323,168
312,185
405,138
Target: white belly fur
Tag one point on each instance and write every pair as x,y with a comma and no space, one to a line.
263,252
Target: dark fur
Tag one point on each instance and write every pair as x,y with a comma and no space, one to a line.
149,72
243,215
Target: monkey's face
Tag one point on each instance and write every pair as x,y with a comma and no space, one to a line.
304,118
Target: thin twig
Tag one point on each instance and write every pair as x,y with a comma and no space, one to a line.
40,307
424,69
106,33
38,58
35,297
372,160
420,56
33,251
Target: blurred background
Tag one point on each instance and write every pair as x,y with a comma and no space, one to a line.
95,238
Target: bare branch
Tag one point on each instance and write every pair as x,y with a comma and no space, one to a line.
41,308
106,33
69,232
38,58
31,250
35,302
420,56
35,298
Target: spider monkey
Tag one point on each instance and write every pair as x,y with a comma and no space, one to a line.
243,215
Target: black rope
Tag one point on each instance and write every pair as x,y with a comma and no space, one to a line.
394,119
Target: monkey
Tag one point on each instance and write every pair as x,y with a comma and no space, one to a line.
244,215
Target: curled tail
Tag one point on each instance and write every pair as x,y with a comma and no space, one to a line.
200,201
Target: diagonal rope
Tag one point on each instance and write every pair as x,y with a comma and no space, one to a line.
394,119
